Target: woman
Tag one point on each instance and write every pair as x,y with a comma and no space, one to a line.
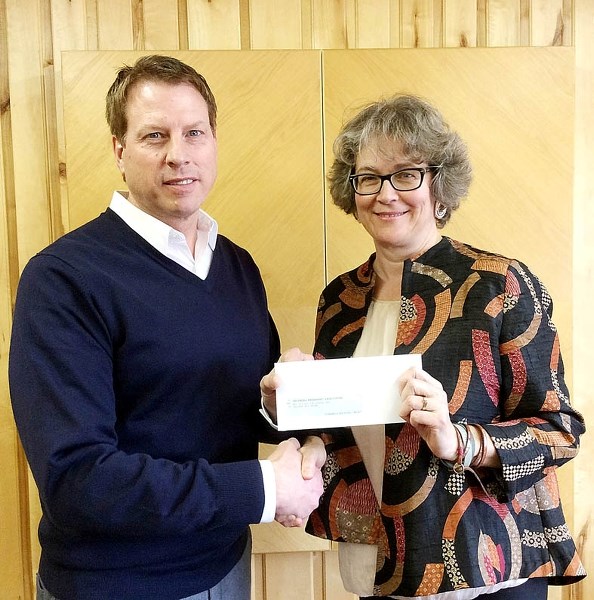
461,500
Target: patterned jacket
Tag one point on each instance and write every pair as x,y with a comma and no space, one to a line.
483,325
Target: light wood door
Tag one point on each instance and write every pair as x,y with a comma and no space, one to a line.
514,107
268,198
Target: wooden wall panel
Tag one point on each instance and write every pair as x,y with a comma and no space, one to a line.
35,203
114,25
583,287
546,23
14,518
460,24
275,26
421,23
69,32
329,24
30,176
503,25
290,584
257,177
371,31
505,134
159,25
214,25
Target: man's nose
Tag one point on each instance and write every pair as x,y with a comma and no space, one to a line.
177,152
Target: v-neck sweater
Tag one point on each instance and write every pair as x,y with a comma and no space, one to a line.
135,388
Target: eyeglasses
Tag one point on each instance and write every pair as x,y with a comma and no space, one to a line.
404,180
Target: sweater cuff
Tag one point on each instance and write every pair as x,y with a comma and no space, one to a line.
240,491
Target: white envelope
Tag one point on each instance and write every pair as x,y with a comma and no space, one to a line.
340,392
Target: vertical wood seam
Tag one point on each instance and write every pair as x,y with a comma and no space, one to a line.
245,35
182,20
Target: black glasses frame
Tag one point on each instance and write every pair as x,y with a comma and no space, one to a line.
382,178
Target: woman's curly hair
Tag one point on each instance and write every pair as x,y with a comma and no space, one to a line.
424,137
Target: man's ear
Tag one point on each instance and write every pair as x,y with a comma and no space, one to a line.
118,151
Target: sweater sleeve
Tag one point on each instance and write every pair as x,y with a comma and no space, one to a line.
61,385
539,429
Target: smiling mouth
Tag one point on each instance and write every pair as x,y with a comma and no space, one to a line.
186,181
384,215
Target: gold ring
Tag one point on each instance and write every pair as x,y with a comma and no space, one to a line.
424,407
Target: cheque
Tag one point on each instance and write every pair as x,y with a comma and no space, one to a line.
340,392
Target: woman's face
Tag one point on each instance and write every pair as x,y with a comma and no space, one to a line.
401,223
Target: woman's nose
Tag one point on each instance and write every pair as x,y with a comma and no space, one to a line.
386,193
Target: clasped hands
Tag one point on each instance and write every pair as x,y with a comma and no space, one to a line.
297,470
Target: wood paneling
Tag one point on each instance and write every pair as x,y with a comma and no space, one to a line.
214,25
583,286
273,25
34,198
503,23
14,518
460,24
29,142
520,146
421,24
114,25
369,31
518,131
158,25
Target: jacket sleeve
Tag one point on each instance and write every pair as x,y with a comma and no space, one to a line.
62,392
539,430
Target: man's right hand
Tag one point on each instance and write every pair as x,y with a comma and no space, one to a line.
296,497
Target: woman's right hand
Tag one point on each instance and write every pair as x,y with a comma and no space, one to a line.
269,383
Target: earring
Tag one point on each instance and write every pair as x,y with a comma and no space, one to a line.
440,210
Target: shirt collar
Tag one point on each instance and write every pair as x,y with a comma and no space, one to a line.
154,231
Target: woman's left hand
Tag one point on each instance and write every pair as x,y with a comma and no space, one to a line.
425,407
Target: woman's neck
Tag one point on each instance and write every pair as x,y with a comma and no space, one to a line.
388,279
388,267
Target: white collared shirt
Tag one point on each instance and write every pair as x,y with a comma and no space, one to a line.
172,243
169,241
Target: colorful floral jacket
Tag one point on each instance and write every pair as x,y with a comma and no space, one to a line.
483,325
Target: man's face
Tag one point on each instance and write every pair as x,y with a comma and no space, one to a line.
169,156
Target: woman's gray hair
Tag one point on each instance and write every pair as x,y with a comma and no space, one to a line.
425,138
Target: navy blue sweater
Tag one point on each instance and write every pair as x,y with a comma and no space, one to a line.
135,389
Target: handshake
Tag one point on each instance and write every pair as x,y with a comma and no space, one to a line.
298,475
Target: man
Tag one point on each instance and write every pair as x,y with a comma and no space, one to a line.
138,345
